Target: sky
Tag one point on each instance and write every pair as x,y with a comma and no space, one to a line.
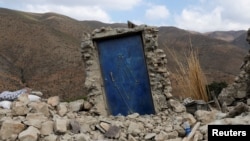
195,15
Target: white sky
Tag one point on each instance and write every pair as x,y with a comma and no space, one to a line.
196,15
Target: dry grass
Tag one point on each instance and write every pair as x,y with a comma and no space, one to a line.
190,77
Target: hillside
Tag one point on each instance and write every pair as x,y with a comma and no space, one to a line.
241,41
225,35
41,51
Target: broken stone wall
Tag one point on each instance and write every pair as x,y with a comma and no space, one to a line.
240,89
155,59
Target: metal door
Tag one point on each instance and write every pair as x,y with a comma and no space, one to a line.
125,75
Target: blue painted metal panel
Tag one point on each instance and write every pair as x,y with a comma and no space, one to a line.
125,75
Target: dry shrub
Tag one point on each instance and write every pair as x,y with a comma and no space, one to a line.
190,77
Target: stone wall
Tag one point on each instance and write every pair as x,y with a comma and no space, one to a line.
155,59
240,89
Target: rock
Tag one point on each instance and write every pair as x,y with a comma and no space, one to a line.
240,94
38,93
134,115
62,109
131,138
105,126
226,96
177,106
47,128
82,137
87,105
30,134
150,136
10,128
190,118
75,126
60,126
19,108
24,98
35,119
176,139
205,116
51,137
39,107
248,101
134,128
172,135
76,106
180,130
113,132
162,136
53,101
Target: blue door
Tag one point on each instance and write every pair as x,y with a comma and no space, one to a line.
125,75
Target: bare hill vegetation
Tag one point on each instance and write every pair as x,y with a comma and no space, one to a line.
42,51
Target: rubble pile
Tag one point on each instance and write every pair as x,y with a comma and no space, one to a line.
52,120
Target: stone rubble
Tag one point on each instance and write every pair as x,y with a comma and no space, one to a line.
78,124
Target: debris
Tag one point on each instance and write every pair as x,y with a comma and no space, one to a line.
75,126
113,132
216,100
240,108
190,136
105,125
193,105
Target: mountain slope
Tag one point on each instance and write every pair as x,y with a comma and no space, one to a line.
42,51
39,56
225,35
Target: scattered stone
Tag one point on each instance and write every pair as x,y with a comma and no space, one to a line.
62,109
47,128
177,106
248,101
150,136
205,116
38,93
113,132
53,101
60,126
105,125
134,115
40,107
76,106
162,136
131,138
51,137
19,108
35,119
24,98
82,137
75,126
10,128
30,134
87,105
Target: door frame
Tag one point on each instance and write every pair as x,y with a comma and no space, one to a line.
140,33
